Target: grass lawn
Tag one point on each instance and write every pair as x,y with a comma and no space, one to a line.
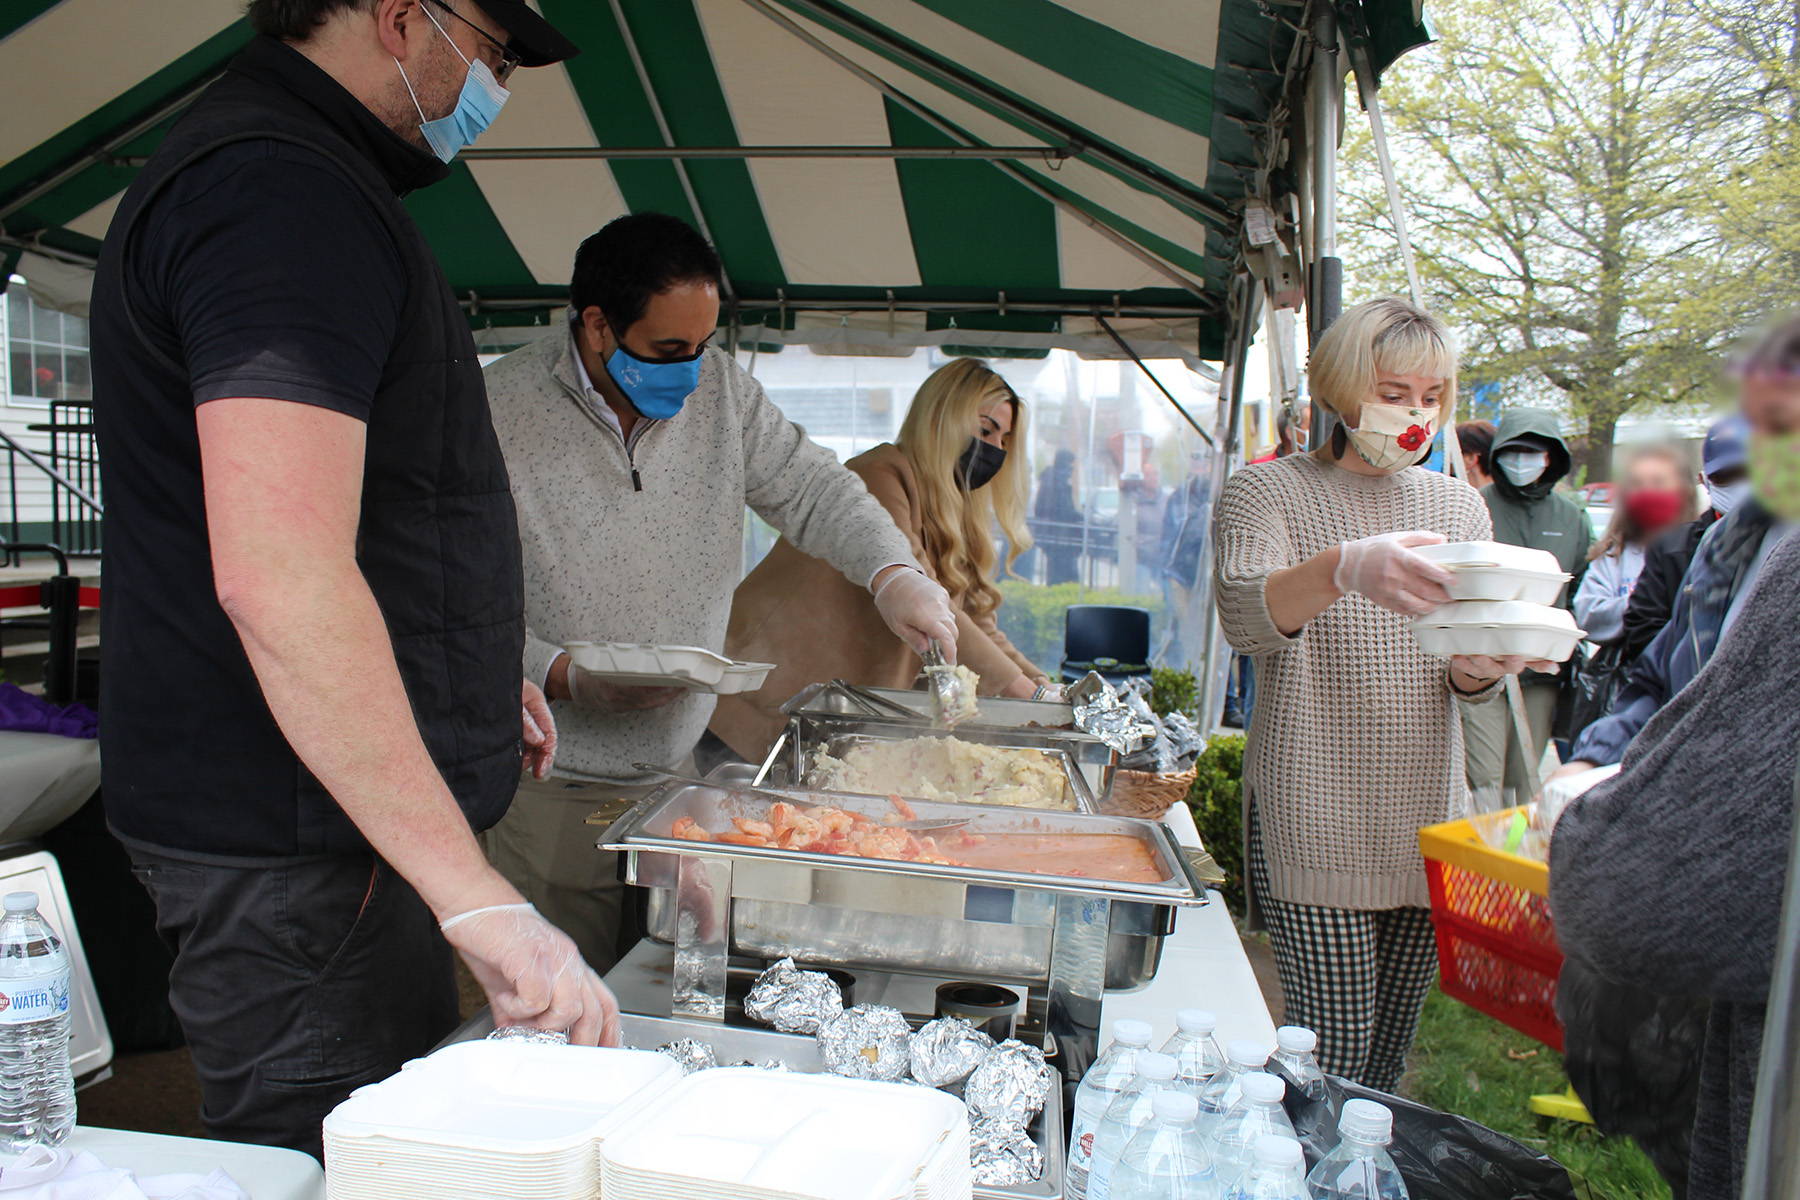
1467,1063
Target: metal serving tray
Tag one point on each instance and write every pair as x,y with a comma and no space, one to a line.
961,922
807,732
999,714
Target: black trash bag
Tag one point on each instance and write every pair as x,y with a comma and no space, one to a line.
1441,1156
1633,1056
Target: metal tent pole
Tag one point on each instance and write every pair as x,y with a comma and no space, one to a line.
1772,1162
1245,306
1326,119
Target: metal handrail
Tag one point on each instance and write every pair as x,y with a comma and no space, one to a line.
57,477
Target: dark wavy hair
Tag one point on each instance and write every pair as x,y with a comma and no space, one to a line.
634,258
295,20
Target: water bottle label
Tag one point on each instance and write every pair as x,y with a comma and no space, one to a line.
26,1000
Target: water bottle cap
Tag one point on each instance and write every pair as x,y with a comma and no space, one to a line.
1263,1087
21,902
1273,1150
1179,1107
1366,1121
1133,1033
1296,1039
1158,1067
1196,1021
1247,1054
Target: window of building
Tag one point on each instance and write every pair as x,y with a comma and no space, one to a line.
47,352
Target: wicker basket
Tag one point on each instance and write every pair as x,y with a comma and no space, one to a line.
1147,794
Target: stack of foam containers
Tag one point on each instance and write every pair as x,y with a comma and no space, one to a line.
1503,601
748,1134
477,1120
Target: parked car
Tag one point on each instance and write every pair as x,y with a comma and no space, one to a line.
1598,493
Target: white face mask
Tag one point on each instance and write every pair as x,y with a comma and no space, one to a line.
1523,467
1726,498
1390,437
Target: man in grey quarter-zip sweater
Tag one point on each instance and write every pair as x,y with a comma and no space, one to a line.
633,449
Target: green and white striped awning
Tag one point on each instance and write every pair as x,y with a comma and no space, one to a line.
1110,146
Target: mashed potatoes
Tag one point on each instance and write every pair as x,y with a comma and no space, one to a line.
945,768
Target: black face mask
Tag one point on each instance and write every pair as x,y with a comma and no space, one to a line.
979,464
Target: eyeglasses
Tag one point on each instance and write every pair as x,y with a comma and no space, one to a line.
509,61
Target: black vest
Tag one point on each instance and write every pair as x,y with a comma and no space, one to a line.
192,758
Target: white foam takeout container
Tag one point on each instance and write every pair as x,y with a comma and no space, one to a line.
742,1132
489,1118
1496,571
1498,627
638,664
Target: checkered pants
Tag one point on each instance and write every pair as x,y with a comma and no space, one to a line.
1356,978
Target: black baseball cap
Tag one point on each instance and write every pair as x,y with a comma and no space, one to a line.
533,39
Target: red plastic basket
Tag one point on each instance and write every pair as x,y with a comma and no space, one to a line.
1497,948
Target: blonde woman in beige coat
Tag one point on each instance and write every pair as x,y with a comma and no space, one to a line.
956,470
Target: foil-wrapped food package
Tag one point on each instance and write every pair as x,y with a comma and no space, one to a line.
1011,1083
1103,712
1003,1154
792,1000
947,1051
690,1054
528,1035
870,1041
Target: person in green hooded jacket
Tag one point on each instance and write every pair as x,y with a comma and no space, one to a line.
1529,459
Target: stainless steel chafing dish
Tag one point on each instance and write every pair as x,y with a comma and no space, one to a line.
1065,939
1049,721
789,758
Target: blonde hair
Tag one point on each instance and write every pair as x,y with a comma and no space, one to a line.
959,539
1381,335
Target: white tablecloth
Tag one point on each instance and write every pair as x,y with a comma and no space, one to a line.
43,778
1203,966
264,1172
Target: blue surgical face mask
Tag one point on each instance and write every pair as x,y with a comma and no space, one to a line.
657,389
480,102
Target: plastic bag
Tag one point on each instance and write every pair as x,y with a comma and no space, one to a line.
1441,1156
1589,685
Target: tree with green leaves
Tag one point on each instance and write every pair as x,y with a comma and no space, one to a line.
1602,193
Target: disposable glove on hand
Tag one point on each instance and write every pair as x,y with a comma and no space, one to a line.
533,974
538,729
1385,569
588,690
918,611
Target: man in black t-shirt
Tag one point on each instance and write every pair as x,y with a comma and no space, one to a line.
314,619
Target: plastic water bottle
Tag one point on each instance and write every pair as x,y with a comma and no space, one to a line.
37,1087
1168,1159
1277,1172
1195,1050
1222,1090
1257,1114
1111,1074
1129,1112
1294,1046
1360,1168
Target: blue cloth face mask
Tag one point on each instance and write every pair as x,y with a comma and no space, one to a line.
656,388
480,102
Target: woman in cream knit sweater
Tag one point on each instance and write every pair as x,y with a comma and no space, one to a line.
1354,742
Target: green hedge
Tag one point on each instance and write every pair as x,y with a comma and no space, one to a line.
1217,801
1031,615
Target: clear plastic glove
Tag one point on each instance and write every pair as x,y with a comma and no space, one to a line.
533,974
1385,569
1488,667
1053,693
588,690
917,610
538,728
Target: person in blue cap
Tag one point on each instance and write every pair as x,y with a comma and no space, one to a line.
1723,462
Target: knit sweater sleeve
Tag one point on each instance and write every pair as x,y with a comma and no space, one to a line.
801,488
1250,533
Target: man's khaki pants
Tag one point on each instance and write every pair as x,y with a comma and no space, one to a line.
1494,758
545,848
